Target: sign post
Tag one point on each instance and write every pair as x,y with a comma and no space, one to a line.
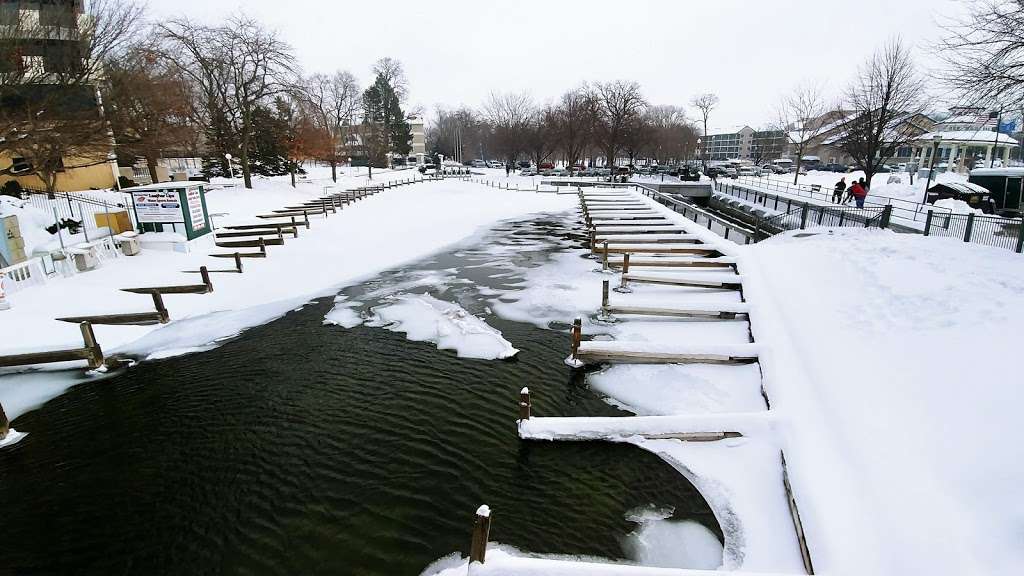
172,204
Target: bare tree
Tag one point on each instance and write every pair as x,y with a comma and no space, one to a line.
574,118
620,103
394,74
705,103
673,136
801,117
239,65
332,102
541,135
885,107
147,104
509,116
984,53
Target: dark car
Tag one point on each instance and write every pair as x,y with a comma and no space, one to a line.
834,167
689,174
523,164
423,169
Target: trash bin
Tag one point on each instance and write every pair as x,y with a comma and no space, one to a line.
129,242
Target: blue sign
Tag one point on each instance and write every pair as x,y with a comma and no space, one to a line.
1008,127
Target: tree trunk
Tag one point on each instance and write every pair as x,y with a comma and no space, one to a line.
799,159
244,152
334,171
151,165
50,182
291,171
369,166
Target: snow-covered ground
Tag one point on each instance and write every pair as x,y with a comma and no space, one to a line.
399,225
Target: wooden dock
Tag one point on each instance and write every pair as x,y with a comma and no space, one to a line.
90,352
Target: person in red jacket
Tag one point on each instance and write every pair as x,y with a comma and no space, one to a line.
859,194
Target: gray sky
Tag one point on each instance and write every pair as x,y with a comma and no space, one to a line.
455,52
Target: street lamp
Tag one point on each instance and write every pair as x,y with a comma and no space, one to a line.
931,169
701,152
231,168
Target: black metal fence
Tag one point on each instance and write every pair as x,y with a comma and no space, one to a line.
987,230
811,215
738,233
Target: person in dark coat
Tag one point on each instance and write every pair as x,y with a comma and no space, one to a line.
508,170
863,184
837,194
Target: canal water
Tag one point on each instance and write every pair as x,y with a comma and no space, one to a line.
302,447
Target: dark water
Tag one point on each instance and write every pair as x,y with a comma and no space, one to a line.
300,448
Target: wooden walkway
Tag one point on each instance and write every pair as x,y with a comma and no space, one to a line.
621,223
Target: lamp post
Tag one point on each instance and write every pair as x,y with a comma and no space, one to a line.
700,151
231,168
931,169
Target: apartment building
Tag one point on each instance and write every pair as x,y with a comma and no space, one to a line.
728,145
39,39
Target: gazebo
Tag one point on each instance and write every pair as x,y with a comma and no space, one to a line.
960,149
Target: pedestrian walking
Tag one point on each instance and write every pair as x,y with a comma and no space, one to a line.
859,194
508,169
837,194
863,184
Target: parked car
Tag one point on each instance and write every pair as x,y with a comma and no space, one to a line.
479,164
546,166
523,164
714,171
559,172
689,174
775,169
834,167
495,164
528,172
423,169
746,171
730,172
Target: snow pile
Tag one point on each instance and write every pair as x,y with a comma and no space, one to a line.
659,541
661,389
31,221
892,361
344,314
424,318
956,206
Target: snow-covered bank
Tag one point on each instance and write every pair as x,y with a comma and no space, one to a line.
892,361
396,226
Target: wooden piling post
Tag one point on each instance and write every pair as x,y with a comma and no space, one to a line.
263,245
238,262
95,359
605,266
604,296
524,404
158,303
5,424
205,274
625,263
305,214
577,335
481,531
280,235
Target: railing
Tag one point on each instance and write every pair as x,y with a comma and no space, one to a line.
805,215
81,209
905,209
23,275
740,234
987,230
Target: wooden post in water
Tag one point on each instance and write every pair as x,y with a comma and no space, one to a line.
577,335
158,303
238,260
5,424
481,531
205,274
524,404
95,359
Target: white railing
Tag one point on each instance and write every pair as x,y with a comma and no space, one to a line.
24,275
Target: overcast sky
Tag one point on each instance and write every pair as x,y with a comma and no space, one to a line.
749,53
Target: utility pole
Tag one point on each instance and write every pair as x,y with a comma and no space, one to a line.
995,147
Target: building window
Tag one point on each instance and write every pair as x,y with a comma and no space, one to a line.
61,14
